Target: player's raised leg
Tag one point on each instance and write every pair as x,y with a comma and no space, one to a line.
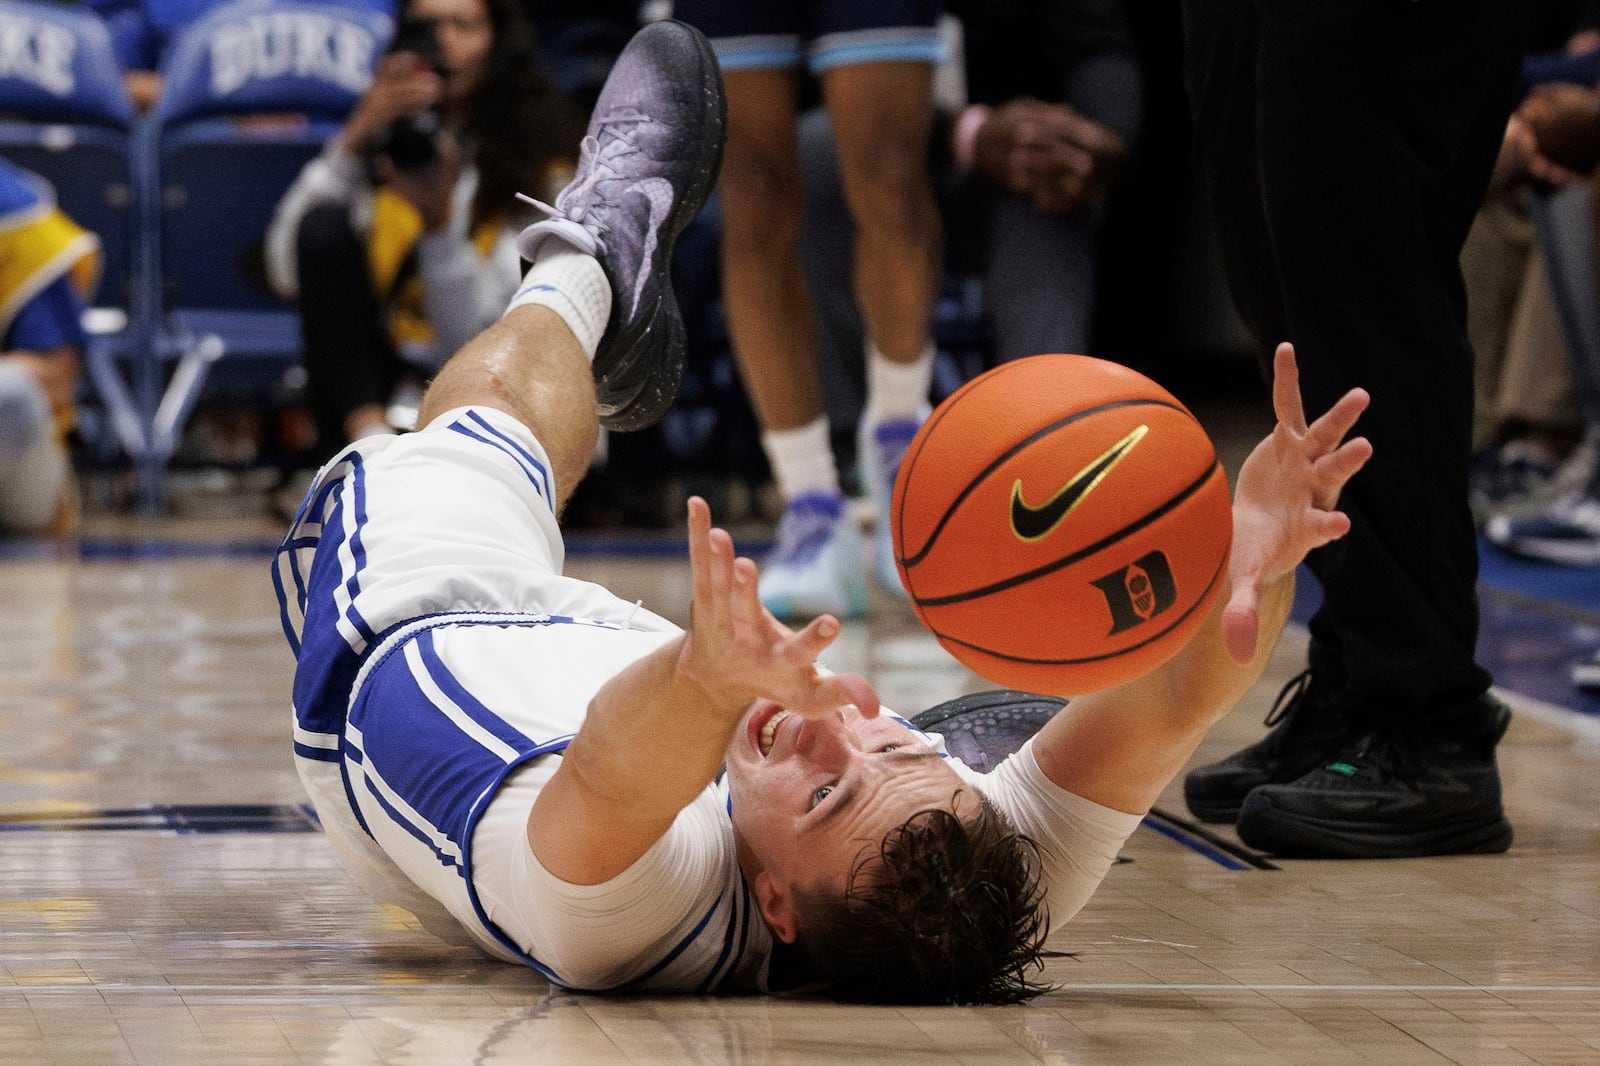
594,334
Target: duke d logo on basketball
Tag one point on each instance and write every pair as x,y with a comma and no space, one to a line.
1138,592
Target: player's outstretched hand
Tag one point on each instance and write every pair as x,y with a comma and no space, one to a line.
1285,495
739,652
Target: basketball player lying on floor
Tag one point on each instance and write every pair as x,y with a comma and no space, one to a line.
553,773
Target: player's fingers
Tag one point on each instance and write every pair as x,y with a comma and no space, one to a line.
1286,403
811,641
1328,526
1239,625
1338,467
745,612
1324,435
838,690
720,575
699,518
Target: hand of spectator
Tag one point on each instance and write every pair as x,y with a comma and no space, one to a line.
1565,123
1049,153
404,85
1286,495
736,651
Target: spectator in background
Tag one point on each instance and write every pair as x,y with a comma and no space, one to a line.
398,242
47,269
875,63
1527,420
1562,124
1051,112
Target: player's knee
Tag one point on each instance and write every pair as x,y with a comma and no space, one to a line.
894,202
762,198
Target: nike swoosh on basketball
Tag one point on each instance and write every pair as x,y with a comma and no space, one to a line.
1031,523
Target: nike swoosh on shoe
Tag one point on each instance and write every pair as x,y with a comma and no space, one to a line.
661,195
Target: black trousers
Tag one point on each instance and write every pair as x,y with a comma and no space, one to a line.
348,357
1344,147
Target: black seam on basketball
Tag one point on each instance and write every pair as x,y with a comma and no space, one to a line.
1082,553
1152,638
909,561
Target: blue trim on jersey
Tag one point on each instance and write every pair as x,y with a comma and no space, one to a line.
758,58
683,944
327,664
315,754
479,712
735,925
357,480
350,755
401,819
929,52
527,457
537,477
418,750
445,775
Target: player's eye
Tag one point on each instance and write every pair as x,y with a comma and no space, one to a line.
821,794
890,747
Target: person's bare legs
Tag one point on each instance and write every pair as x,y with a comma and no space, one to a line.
530,366
882,114
817,565
768,305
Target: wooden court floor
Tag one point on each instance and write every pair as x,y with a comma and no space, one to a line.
164,898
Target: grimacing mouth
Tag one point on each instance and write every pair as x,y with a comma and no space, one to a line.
769,732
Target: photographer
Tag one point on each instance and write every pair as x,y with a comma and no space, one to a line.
397,242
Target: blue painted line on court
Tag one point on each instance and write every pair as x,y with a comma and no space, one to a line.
178,818
1195,844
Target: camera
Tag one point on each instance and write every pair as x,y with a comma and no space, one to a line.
409,142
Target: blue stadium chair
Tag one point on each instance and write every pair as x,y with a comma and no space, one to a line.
65,116
250,93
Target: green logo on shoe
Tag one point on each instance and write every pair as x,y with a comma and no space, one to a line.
1342,768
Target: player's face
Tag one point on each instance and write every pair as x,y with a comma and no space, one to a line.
811,795
466,36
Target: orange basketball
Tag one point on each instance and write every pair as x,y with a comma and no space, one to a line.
1062,524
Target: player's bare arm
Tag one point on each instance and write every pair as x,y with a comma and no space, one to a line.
656,733
1121,746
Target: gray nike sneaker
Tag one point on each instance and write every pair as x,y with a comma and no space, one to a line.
646,166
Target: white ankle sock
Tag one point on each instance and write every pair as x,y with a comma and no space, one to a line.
897,390
802,459
572,284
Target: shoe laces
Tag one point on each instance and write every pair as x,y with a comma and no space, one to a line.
586,199
804,530
1288,698
1390,753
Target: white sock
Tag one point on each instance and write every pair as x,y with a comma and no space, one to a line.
572,284
897,390
802,459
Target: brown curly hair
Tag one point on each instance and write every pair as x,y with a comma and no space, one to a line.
945,911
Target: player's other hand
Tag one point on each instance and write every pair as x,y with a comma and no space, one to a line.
1285,497
738,652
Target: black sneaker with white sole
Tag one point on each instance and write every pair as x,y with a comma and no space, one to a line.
646,166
